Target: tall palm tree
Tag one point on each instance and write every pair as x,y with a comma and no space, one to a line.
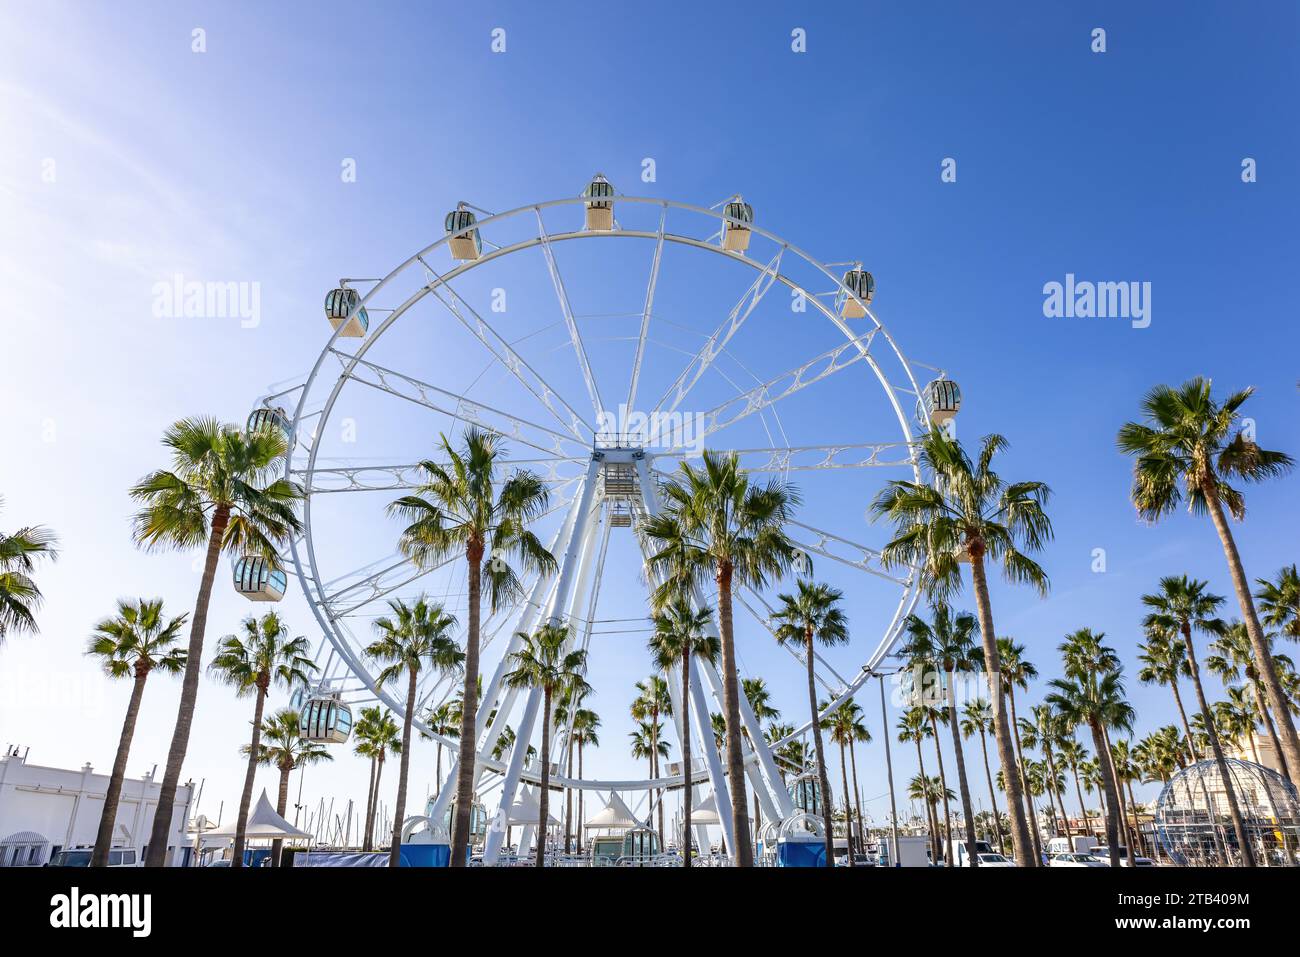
978,719
376,735
1126,770
442,720
859,733
409,636
1185,605
585,733
1094,696
1189,444
718,529
1233,658
914,726
221,492
652,702
930,791
842,723
20,598
718,725
266,655
679,635
1163,659
545,661
284,749
1045,730
464,508
1074,756
759,697
1279,600
132,644
566,708
947,646
1016,672
971,515
809,616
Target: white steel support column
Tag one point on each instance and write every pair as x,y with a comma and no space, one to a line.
569,572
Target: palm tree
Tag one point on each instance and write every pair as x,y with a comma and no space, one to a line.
946,645
443,721
284,749
1074,756
1045,730
377,736
914,726
759,697
648,744
585,732
717,529
408,637
1184,605
843,724
803,619
680,635
859,732
20,598
222,491
652,701
1191,445
1164,660
132,644
930,791
1126,770
265,655
718,725
979,719
1016,672
1280,601
1232,659
566,708
970,514
1094,696
544,661
455,512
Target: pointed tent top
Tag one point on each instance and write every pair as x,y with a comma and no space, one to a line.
706,812
263,822
527,810
616,815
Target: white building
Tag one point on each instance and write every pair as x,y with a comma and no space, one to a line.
45,810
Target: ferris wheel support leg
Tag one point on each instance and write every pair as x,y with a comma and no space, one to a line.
574,556
527,618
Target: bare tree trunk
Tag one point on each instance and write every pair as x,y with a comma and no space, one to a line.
156,853
469,705
113,797
744,850
823,779
1020,840
1264,664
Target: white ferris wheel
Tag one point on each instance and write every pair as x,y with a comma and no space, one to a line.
607,338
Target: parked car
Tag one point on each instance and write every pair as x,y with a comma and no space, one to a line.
996,860
1103,854
80,857
1076,860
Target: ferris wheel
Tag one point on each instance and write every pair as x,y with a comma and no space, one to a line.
607,338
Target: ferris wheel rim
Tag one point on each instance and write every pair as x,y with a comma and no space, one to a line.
316,597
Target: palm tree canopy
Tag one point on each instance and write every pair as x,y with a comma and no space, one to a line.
969,511
1279,601
977,718
679,629
652,699
413,634
812,612
1187,442
1183,604
282,745
459,510
20,598
265,655
542,662
376,733
139,639
219,466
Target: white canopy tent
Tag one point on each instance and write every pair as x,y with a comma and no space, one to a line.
264,824
616,815
527,810
706,812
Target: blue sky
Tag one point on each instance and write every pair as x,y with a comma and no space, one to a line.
225,166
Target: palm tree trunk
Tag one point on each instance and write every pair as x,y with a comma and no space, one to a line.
469,705
1078,791
1191,749
1112,800
1263,656
580,793
1020,839
1052,790
437,775
1036,842
107,820
857,798
1272,729
1137,829
370,826
370,807
654,758
823,779
568,794
544,798
743,852
962,787
403,769
1123,803
949,860
688,797
993,797
1229,789
245,799
848,808
281,805
929,808
156,853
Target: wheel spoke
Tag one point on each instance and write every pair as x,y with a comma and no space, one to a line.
805,458
574,335
843,550
645,313
382,478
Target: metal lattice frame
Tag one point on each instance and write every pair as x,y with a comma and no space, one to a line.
565,449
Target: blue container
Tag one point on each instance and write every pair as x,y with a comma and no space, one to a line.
424,855
801,853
